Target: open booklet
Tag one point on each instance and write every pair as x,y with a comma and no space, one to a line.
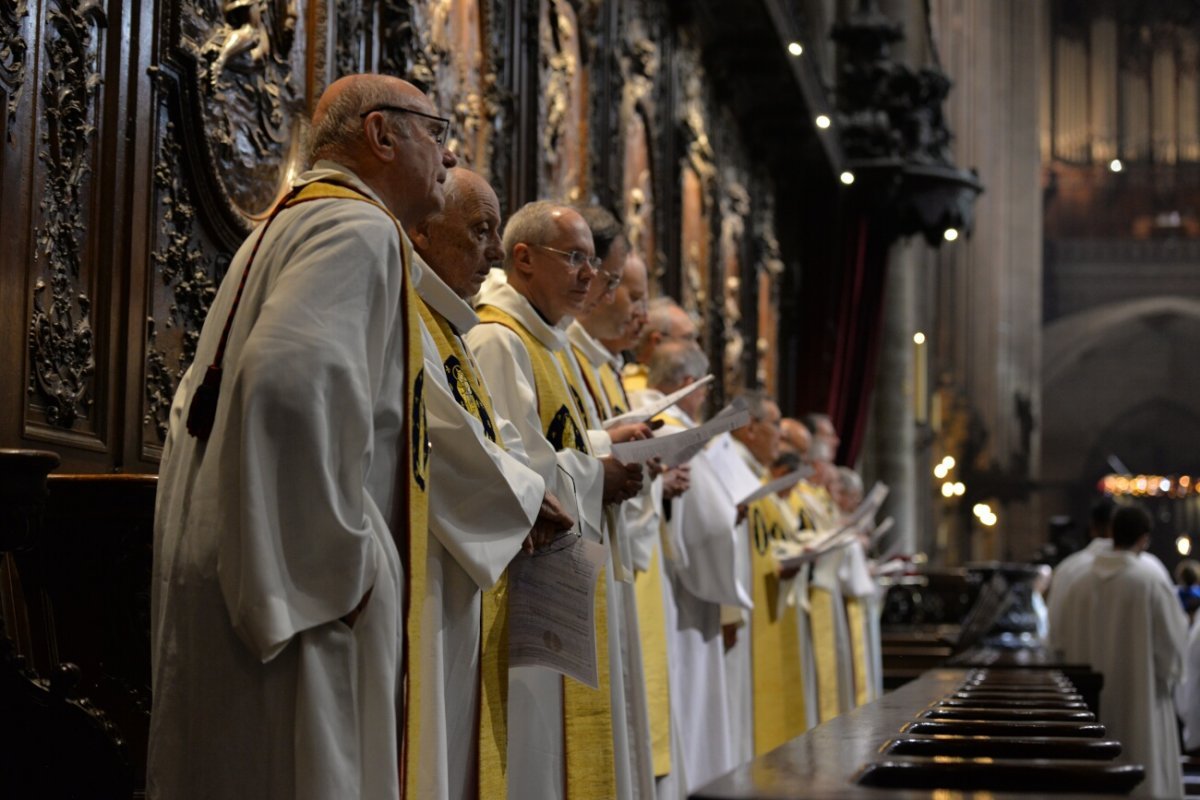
654,409
792,554
680,447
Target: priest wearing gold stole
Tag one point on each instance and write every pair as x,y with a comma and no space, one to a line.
483,500
565,739
775,649
597,339
703,575
293,478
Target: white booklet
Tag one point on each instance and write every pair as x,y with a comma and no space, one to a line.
680,447
551,610
654,409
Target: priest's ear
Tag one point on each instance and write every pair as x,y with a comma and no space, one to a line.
419,234
522,262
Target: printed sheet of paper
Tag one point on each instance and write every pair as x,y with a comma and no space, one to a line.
551,610
777,485
654,409
881,529
679,448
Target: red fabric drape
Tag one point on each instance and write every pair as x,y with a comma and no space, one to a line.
839,352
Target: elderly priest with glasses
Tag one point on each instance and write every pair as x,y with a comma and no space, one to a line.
565,738
294,479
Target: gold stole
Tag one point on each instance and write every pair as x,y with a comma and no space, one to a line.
412,478
587,713
858,647
774,641
618,401
825,654
652,614
470,391
635,377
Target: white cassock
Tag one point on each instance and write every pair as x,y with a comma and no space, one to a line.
854,576
728,460
269,533
634,555
1076,565
1127,624
535,719
1187,694
483,500
702,577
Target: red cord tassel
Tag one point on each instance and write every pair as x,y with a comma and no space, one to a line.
203,410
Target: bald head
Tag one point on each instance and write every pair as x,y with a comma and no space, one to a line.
372,125
462,241
794,437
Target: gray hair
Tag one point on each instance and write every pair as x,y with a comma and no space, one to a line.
658,318
851,480
756,402
673,363
532,223
340,131
605,227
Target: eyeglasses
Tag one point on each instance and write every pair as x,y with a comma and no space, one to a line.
611,281
575,258
440,134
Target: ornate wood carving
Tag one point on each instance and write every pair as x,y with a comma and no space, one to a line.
698,182
451,48
190,274
562,113
12,54
246,65
350,29
61,344
734,209
770,269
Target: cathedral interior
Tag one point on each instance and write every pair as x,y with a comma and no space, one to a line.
966,230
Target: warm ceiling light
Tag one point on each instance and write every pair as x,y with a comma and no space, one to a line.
823,122
918,338
1184,545
847,177
795,48
940,471
947,489
950,235
1115,165
960,489
949,462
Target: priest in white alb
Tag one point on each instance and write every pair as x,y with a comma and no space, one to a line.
290,482
1127,624
483,502
565,739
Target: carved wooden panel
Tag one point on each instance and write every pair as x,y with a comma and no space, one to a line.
62,385
14,18
696,239
770,269
562,111
638,196
734,208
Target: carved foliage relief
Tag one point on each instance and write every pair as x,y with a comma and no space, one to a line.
61,343
186,273
250,67
449,47
562,107
698,179
734,207
639,65
13,51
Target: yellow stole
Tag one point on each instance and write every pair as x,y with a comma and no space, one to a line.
587,713
774,641
635,377
470,391
412,478
604,384
858,648
825,654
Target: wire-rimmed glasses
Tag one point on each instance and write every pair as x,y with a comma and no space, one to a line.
574,258
441,134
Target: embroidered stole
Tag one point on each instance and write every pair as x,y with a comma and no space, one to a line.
856,619
779,713
587,713
412,476
605,385
470,391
